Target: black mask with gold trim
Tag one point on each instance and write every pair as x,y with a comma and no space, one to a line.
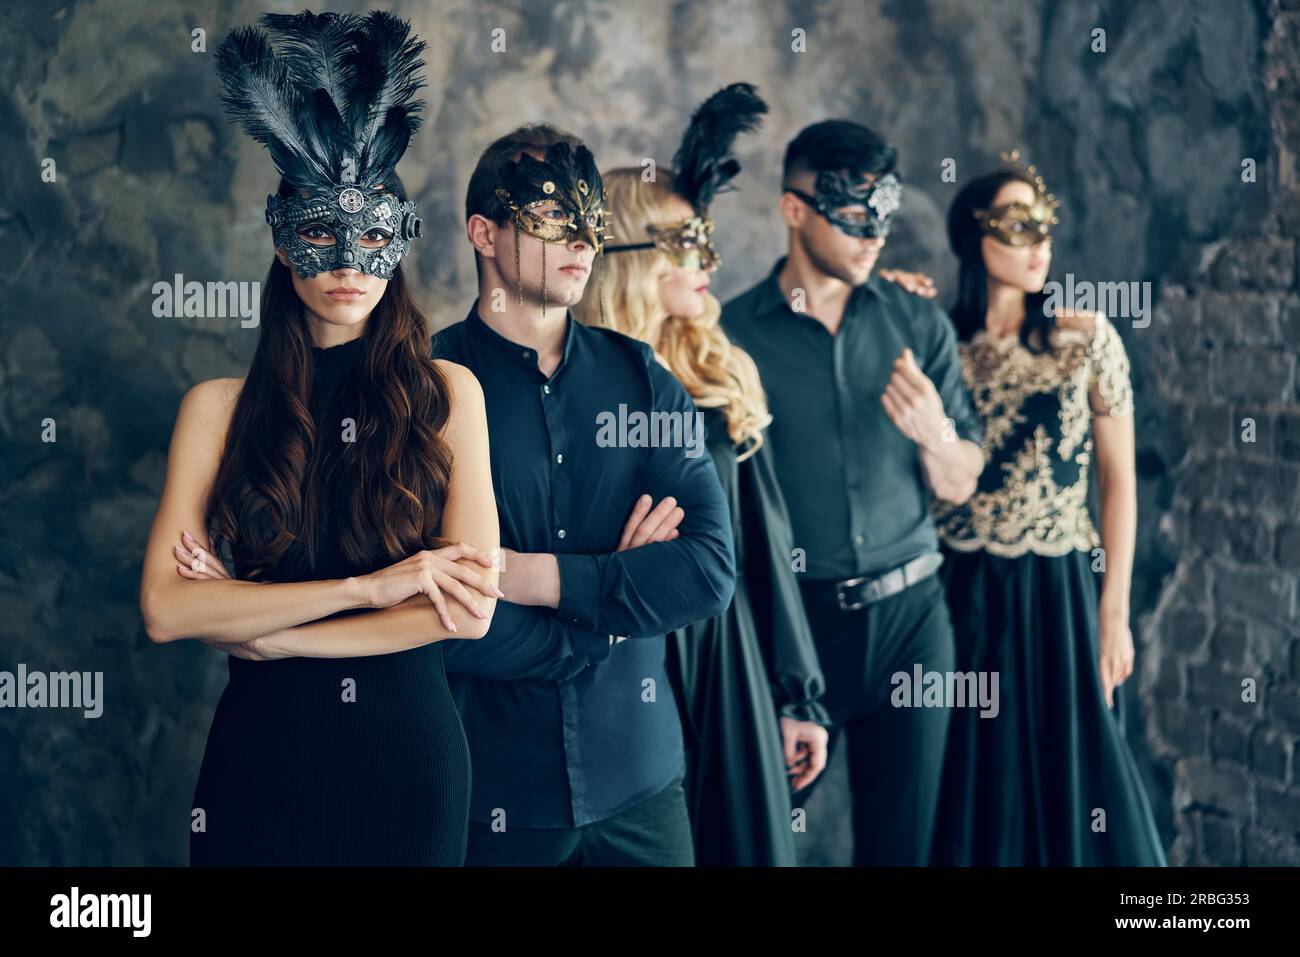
557,200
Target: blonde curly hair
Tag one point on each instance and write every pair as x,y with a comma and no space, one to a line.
716,373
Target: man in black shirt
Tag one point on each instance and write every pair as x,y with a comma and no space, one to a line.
588,769
870,419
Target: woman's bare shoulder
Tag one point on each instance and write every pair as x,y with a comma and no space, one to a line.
467,417
456,372
210,404
464,384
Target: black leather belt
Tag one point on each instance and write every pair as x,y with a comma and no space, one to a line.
855,593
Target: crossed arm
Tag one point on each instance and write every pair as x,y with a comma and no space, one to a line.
278,619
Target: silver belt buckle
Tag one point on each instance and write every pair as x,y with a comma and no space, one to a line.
839,594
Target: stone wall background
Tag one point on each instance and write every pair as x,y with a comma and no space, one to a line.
1143,143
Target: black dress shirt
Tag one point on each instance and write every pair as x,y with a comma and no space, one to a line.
568,752
852,481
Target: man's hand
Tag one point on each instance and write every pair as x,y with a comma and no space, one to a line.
912,403
917,283
804,743
530,578
533,578
646,524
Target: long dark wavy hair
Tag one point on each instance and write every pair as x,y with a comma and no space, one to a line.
276,479
964,235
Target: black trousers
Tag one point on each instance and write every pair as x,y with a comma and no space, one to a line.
655,832
895,753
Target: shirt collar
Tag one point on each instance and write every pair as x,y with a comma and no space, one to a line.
520,354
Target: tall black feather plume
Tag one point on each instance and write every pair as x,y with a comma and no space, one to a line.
388,62
317,49
703,163
331,98
260,92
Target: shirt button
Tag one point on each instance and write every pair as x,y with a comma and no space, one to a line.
526,354
857,539
559,457
560,533
546,389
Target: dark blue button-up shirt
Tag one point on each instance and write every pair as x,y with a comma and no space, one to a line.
563,753
852,481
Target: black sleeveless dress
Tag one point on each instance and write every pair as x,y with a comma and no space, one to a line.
333,761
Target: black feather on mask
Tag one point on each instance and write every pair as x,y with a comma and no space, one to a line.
331,96
703,167
703,164
566,176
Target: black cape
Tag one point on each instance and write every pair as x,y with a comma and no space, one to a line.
736,674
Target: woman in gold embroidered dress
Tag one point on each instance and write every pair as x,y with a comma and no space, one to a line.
1043,776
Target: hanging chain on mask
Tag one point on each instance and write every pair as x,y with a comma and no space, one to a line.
600,285
543,280
519,276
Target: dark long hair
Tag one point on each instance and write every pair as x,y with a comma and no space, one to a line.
275,477
964,235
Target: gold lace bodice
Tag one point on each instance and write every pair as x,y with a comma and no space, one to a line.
1037,411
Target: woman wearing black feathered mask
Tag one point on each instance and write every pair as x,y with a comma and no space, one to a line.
347,475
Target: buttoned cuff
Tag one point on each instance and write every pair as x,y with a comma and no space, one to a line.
970,430
590,649
579,591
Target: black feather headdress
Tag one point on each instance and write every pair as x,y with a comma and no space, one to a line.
703,167
703,164
331,96
569,177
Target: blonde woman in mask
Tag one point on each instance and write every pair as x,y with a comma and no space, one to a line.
748,681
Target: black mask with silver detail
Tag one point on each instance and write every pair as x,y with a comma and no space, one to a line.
331,96
837,189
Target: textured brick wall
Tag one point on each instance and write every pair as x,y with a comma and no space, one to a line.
1221,687
1143,143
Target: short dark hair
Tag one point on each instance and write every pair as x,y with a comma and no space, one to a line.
838,144
481,197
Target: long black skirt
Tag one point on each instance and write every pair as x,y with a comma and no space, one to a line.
1049,780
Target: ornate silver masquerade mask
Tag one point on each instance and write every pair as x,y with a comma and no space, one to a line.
349,229
837,189
332,97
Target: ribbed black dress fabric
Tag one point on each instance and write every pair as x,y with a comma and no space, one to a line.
344,761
